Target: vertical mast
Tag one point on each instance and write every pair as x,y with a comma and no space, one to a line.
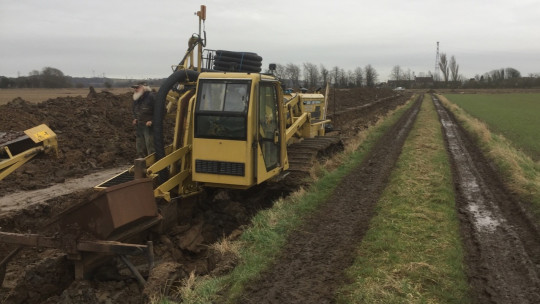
436,73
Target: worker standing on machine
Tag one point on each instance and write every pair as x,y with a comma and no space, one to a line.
143,112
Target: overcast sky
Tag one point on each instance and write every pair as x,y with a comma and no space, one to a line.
142,39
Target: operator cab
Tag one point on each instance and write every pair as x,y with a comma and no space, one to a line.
314,104
237,134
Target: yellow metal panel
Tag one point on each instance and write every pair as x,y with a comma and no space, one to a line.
168,160
163,189
43,134
9,165
313,96
40,133
299,122
224,151
262,174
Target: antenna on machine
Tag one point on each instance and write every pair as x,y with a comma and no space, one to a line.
436,73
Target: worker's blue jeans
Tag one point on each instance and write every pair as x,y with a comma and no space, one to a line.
144,140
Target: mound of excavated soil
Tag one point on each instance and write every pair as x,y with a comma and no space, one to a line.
93,133
341,99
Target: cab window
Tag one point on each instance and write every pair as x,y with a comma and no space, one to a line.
221,110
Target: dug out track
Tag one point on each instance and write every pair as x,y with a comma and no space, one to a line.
312,264
502,242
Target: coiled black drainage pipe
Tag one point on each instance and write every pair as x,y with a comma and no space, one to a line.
180,76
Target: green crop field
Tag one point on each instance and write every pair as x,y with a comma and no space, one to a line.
516,116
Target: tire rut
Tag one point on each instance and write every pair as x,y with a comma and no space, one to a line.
312,264
502,247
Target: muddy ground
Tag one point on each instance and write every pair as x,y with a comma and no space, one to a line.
502,241
95,134
312,264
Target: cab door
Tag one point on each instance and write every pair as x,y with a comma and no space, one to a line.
269,132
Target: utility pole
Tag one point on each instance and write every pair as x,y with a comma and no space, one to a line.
436,73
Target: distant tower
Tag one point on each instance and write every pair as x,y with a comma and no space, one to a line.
436,73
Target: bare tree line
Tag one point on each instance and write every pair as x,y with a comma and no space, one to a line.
312,76
501,74
49,77
450,70
504,78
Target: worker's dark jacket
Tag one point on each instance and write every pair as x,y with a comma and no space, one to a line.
143,108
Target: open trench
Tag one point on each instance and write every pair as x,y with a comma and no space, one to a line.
311,266
502,245
38,275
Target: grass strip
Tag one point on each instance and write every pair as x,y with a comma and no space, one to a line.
518,171
260,244
412,252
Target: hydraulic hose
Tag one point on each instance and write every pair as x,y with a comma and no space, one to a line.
160,110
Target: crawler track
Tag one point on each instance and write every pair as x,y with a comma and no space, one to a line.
303,154
502,246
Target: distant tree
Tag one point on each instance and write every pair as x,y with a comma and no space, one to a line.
34,79
371,76
496,75
311,75
454,68
358,77
396,73
408,76
53,78
335,75
280,71
4,82
343,80
325,75
293,73
512,73
443,65
351,82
